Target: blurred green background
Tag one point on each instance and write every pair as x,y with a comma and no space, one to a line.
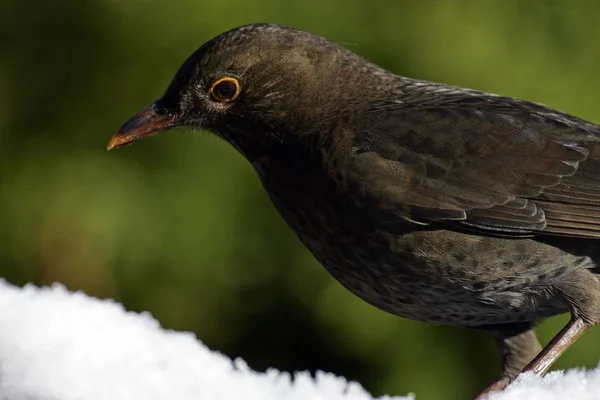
179,225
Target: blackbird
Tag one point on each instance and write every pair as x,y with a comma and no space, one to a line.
429,201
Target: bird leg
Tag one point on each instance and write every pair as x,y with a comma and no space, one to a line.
543,361
582,292
557,346
518,346
517,351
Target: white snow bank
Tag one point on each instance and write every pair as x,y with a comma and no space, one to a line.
556,385
55,344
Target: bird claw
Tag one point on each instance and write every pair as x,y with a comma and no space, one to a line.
497,386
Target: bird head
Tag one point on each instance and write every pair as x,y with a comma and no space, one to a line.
254,86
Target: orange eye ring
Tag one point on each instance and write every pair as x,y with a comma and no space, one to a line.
225,90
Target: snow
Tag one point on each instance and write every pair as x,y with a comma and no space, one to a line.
60,345
575,384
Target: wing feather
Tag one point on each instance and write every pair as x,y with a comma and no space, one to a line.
485,162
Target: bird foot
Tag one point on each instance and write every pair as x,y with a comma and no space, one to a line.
542,362
497,386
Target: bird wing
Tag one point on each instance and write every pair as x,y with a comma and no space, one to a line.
481,161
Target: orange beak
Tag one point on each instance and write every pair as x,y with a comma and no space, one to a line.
146,123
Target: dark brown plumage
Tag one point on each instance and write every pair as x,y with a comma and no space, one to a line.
429,201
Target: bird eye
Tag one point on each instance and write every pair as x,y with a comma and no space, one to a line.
225,90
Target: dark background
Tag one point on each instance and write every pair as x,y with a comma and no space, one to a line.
179,225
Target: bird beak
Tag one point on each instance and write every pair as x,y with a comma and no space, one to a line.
148,122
